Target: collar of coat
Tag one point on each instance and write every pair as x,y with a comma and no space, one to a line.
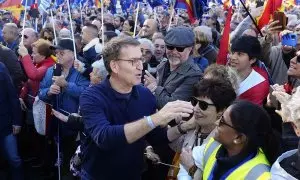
94,42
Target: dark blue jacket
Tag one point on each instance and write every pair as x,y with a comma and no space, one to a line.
91,53
69,98
105,112
10,110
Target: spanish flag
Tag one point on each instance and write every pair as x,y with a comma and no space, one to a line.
270,7
189,6
224,42
98,3
14,6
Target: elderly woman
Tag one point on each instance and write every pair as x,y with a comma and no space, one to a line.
211,98
99,72
150,63
243,147
203,45
35,68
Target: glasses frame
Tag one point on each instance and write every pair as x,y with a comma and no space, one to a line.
134,62
223,122
201,104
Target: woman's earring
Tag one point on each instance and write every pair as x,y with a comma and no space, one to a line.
235,141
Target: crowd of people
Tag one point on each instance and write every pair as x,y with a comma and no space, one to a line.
148,100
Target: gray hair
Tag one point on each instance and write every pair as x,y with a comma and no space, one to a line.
13,28
64,33
147,42
203,34
102,73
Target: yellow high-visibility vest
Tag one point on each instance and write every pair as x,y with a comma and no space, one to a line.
256,168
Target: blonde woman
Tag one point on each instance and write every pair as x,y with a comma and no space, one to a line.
203,44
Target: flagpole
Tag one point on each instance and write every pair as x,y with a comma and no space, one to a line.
136,18
53,26
252,19
72,30
172,14
24,19
102,22
81,13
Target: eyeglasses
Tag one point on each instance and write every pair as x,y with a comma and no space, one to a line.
179,49
48,38
223,122
134,61
148,52
202,104
25,36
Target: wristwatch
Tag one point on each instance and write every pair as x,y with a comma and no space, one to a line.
192,170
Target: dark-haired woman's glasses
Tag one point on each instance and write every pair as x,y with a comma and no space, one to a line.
223,122
179,49
48,38
202,104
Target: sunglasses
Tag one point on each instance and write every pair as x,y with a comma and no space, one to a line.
202,104
25,36
48,38
179,49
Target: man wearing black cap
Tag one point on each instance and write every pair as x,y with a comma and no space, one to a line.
65,91
176,76
255,85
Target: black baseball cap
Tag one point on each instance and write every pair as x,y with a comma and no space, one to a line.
64,44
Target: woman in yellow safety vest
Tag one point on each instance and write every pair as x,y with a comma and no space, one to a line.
244,146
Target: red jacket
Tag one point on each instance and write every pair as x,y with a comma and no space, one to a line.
35,75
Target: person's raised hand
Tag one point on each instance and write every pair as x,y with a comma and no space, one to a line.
22,50
173,110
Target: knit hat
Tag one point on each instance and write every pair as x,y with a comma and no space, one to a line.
247,44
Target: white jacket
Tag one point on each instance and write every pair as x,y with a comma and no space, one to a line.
277,172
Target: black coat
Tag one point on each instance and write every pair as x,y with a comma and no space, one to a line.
10,109
10,60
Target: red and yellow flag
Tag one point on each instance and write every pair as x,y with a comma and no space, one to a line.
224,42
98,3
270,7
14,6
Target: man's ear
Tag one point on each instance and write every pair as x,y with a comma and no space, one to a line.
114,66
253,61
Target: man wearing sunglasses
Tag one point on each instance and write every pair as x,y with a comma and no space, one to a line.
176,76
30,36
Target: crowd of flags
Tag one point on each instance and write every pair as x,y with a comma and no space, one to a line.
194,8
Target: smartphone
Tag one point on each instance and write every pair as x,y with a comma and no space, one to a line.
289,39
57,69
280,16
